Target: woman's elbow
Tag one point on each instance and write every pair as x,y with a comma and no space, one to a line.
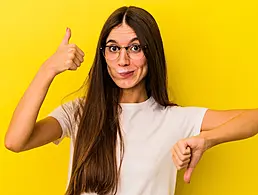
12,146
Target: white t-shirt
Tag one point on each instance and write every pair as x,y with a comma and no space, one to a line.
149,133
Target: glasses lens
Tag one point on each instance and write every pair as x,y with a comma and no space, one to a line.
136,56
134,52
111,52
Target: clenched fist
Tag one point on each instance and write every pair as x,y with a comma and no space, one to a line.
67,57
186,153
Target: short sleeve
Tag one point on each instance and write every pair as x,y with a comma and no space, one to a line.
64,114
189,120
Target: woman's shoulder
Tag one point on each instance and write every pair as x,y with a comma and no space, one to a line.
70,109
74,104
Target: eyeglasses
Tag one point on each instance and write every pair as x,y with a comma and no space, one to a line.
134,51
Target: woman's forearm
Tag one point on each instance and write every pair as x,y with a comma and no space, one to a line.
241,127
26,112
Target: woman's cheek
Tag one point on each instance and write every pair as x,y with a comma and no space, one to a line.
140,63
111,71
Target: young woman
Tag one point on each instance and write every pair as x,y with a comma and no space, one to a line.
124,128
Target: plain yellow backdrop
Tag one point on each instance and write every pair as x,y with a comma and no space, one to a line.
211,49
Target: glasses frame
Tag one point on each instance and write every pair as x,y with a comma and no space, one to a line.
143,48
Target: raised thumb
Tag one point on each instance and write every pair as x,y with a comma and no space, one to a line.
67,37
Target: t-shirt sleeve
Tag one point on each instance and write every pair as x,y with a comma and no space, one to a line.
64,114
190,120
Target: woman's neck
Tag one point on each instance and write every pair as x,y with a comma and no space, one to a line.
136,94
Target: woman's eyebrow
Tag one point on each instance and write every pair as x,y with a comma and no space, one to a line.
134,39
113,41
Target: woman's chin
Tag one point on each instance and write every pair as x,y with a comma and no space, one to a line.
127,85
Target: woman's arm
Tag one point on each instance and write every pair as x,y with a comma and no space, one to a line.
236,125
23,132
218,127
25,115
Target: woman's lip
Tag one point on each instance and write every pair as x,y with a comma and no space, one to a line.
126,74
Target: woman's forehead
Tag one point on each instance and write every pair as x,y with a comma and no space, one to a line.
122,34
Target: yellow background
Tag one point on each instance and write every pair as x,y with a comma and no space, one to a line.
211,49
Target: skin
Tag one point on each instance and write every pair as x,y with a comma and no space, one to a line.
25,133
230,125
217,127
133,87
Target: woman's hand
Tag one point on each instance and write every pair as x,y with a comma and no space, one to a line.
67,57
186,153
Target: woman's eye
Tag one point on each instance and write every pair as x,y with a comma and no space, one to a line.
113,48
135,48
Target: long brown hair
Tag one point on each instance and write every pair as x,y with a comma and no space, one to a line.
95,167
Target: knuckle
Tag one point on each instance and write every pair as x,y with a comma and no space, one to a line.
180,163
78,63
71,55
72,45
185,158
73,68
179,168
179,158
72,50
69,62
181,142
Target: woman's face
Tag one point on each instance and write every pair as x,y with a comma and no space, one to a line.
128,67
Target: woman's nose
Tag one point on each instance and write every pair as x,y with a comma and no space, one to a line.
123,59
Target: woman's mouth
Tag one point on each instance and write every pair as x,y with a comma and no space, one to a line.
126,74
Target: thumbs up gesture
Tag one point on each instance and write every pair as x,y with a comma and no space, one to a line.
187,153
67,57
